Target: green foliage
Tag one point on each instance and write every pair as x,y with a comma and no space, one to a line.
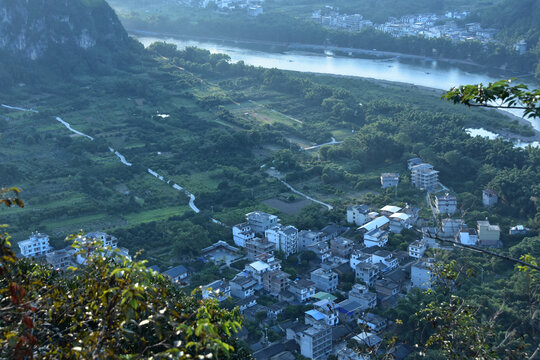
500,94
111,308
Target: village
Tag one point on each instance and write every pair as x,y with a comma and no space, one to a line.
309,291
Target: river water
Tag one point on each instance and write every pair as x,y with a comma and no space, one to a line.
428,73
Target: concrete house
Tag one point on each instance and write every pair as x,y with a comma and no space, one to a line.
367,273
302,289
421,274
321,250
36,245
325,312
275,282
450,228
285,238
261,221
307,238
243,286
423,176
358,257
374,322
399,221
389,180
386,258
358,214
446,204
219,290
177,274
468,236
258,246
488,235
61,259
341,247
325,280
489,197
376,237
386,288
361,294
315,341
417,249
242,233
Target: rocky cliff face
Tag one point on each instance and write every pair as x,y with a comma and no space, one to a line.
33,29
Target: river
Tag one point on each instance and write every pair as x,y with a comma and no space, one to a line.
428,73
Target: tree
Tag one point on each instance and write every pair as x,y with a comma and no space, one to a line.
111,308
499,95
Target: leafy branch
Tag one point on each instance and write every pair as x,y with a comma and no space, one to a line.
499,95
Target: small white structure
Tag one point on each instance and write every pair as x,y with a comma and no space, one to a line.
36,245
358,214
389,180
417,249
489,197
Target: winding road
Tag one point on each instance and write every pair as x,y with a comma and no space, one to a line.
333,142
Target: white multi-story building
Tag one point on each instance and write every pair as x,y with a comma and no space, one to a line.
36,245
315,342
285,238
261,221
358,214
424,177
242,233
417,249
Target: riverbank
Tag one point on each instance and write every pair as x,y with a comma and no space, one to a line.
281,47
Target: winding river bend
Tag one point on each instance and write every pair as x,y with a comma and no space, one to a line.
428,73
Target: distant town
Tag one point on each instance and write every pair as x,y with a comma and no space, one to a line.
342,278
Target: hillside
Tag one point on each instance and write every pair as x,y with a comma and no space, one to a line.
66,36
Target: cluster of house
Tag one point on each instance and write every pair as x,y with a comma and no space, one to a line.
425,25
380,277
253,7
37,246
